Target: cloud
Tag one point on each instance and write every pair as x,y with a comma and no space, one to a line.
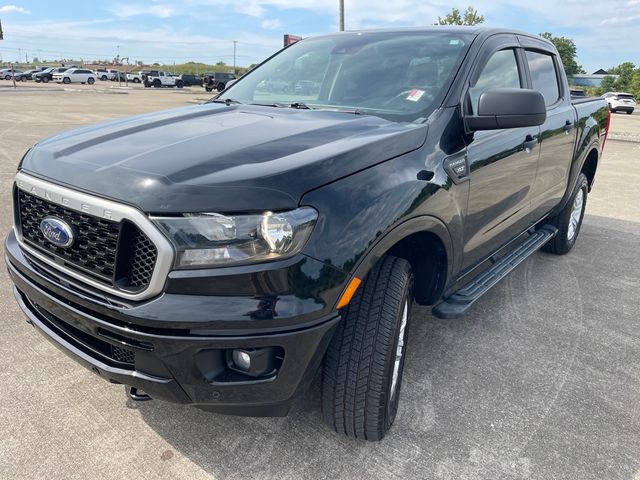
273,24
126,10
14,9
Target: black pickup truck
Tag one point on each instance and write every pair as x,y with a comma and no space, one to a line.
220,255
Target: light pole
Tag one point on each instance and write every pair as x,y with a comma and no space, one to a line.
235,43
341,15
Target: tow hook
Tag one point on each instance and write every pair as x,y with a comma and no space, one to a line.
137,395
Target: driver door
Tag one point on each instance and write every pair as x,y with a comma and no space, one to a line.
502,163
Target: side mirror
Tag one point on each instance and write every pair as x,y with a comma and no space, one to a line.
508,108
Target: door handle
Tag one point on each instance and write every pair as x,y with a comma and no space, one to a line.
529,143
568,126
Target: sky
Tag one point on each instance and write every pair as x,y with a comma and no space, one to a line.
168,31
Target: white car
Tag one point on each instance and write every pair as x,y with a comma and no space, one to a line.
75,75
106,74
158,79
134,77
620,101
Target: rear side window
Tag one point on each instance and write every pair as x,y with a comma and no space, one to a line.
543,76
501,71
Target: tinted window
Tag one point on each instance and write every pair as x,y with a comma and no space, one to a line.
501,71
543,76
625,96
399,76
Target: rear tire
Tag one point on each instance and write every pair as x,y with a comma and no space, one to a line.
629,112
91,81
179,84
569,220
362,370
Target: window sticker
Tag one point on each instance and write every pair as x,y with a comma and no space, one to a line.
415,95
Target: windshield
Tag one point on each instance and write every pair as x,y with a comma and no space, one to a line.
399,76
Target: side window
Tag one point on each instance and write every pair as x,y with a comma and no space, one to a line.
501,71
543,76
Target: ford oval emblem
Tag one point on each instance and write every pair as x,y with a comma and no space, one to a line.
57,232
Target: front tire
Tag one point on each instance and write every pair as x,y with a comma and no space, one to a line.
363,366
629,112
45,80
569,220
66,80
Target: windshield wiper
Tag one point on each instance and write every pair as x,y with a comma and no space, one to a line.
296,105
226,101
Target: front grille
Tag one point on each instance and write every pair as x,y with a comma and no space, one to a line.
115,253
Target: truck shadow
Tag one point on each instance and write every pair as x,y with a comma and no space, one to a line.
489,395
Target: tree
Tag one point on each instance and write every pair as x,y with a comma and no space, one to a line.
470,17
567,50
625,74
634,87
608,84
221,64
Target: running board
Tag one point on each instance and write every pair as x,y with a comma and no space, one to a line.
459,302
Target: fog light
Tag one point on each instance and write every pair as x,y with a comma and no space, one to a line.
255,362
242,360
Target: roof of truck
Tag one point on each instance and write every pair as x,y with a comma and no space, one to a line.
469,30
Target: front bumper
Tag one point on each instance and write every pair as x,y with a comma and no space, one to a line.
181,365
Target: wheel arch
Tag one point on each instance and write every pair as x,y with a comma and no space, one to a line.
426,244
590,166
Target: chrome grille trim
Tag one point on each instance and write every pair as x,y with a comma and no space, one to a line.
109,210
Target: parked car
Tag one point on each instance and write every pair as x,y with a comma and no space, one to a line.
46,75
119,76
8,73
105,74
272,238
75,75
620,102
159,79
189,80
26,75
137,76
216,80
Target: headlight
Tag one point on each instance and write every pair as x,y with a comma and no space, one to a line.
211,239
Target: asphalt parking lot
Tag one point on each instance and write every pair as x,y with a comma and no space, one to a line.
540,380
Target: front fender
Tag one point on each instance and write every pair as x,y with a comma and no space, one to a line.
362,216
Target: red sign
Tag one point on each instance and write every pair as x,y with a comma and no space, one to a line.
291,39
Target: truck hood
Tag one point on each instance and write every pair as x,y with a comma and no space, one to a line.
214,157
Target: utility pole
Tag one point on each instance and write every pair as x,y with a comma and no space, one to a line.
235,43
341,15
